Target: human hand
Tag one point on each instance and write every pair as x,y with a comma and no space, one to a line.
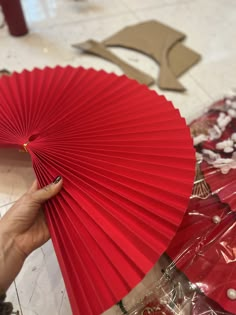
23,229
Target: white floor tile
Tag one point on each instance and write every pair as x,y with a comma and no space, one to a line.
45,13
150,4
210,34
207,31
53,46
40,285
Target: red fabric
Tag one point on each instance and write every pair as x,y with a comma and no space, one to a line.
127,161
198,221
224,185
209,262
205,306
155,308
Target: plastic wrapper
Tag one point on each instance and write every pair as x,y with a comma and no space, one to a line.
199,269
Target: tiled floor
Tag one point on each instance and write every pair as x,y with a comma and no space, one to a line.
54,26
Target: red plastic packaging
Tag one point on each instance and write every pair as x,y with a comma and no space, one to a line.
201,276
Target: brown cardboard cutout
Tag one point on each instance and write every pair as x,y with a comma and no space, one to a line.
181,58
95,48
156,40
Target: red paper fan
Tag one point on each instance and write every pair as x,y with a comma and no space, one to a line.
127,161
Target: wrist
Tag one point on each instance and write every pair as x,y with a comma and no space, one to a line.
11,261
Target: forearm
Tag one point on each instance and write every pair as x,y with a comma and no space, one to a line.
11,261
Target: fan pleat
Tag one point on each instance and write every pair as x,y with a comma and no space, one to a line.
94,210
86,282
127,161
90,221
122,184
123,191
136,164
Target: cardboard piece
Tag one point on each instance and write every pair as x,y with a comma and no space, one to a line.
181,58
155,40
96,48
160,42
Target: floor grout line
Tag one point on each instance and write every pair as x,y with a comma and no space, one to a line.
201,87
18,298
7,204
152,7
62,298
84,20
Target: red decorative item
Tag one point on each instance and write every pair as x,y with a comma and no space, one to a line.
127,160
209,262
221,174
200,219
14,17
155,308
204,248
202,305
222,184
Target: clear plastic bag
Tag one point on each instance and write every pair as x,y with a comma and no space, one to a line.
200,278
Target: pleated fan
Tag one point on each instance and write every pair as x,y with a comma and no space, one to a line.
127,160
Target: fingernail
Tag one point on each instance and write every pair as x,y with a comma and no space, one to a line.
57,179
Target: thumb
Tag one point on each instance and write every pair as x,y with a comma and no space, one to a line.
41,195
